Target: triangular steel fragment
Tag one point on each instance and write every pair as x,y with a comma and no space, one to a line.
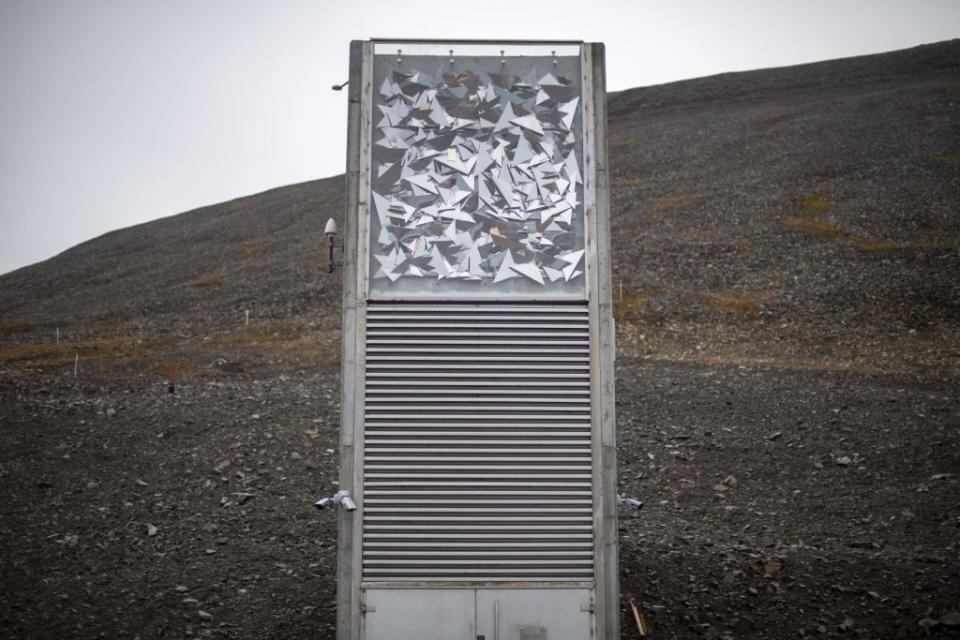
505,118
529,270
553,274
505,272
529,122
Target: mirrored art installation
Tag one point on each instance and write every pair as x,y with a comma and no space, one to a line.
476,179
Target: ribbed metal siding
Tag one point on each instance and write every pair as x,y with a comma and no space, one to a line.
477,461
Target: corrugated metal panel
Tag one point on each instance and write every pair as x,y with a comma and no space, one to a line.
477,458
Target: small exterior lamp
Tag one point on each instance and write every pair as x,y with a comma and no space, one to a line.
330,230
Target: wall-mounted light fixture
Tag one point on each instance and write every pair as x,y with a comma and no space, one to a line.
330,230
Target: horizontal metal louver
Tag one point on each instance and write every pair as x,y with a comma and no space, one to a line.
477,454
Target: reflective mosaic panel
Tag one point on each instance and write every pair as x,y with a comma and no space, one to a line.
476,177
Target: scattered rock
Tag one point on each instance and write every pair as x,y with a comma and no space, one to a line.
950,619
863,544
928,623
741,625
152,530
204,615
843,461
70,540
771,568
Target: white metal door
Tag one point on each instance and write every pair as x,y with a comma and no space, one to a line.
478,614
420,614
534,614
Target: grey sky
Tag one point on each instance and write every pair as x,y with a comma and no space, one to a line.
114,112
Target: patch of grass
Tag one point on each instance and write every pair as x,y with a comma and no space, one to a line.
950,160
17,326
619,140
673,203
209,280
174,369
634,302
52,353
939,241
176,359
824,229
633,223
31,351
817,203
748,303
774,116
871,246
260,334
253,250
709,236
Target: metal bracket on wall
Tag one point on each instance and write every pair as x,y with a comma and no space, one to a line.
341,498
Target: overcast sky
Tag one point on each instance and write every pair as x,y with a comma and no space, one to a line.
115,112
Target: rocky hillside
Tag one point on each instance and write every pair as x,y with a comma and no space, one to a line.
806,213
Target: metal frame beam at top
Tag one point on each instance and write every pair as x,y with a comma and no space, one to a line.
468,48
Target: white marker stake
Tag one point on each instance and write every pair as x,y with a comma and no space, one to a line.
246,318
76,363
58,335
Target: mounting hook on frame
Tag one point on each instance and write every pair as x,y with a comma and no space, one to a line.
339,87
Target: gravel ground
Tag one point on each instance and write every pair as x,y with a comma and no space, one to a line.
778,503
